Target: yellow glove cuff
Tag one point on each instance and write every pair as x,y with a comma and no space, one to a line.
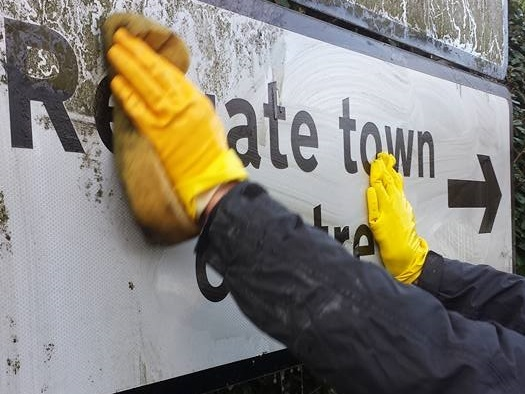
413,271
227,167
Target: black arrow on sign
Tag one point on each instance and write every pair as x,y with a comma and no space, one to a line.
477,194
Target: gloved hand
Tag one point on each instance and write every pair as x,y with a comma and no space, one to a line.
185,135
155,205
392,222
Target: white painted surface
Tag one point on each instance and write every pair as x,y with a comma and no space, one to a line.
68,267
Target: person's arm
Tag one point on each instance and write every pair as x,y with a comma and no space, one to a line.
478,292
348,320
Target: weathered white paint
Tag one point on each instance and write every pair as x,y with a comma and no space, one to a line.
472,33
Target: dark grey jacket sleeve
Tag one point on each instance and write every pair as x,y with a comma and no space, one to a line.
478,292
348,320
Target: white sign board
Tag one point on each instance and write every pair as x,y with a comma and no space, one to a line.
89,307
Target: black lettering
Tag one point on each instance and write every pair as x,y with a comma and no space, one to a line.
248,131
402,154
104,113
347,125
425,138
318,221
369,129
342,234
274,113
212,293
22,37
363,250
300,140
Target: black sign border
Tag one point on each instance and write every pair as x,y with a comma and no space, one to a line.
221,376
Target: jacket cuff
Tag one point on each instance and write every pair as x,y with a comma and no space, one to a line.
229,216
430,278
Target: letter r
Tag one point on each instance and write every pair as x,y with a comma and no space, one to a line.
20,38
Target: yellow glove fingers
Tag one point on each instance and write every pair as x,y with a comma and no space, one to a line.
389,184
373,205
390,162
388,159
127,65
377,169
382,197
409,210
121,89
161,84
398,179
155,67
381,181
130,101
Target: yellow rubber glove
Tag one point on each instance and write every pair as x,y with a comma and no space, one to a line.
175,117
393,223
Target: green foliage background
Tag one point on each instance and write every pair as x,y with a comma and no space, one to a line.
516,84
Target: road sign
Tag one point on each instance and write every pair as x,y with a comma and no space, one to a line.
87,306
